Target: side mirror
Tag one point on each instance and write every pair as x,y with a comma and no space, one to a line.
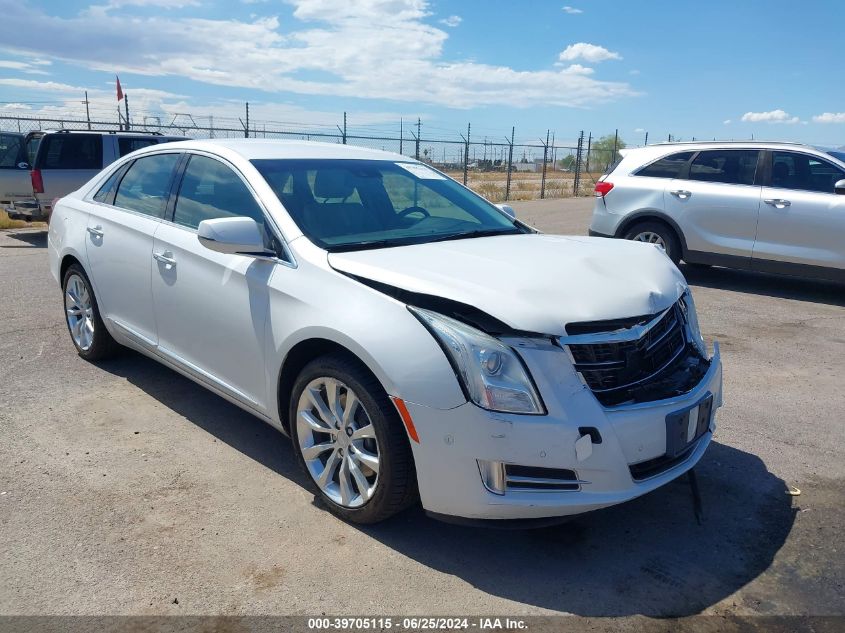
839,186
507,210
233,236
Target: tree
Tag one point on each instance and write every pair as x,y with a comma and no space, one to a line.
601,152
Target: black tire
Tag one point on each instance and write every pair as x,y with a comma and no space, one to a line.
102,345
396,486
667,234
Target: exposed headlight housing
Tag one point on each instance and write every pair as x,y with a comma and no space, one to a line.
492,375
691,316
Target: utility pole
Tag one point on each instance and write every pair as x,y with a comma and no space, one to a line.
211,125
343,131
401,135
126,107
576,183
466,154
545,160
589,148
646,139
417,150
87,112
245,126
510,164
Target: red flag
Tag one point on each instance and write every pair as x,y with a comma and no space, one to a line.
119,89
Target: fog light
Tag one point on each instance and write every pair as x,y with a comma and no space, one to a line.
493,476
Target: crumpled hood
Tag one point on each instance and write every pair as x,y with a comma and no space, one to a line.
531,282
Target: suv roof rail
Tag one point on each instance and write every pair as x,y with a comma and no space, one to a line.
731,142
68,131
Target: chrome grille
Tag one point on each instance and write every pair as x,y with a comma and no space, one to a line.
616,366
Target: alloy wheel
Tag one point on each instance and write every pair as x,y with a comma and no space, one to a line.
79,311
338,442
651,238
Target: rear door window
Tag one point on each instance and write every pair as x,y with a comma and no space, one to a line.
730,166
666,167
71,151
146,186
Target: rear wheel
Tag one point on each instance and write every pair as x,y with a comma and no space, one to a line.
656,233
350,441
82,315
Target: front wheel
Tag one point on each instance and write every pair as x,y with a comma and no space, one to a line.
350,441
82,315
659,234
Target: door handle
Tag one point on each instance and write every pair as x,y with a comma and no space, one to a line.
778,203
96,231
681,193
165,258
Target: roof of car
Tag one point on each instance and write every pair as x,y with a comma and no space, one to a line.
250,149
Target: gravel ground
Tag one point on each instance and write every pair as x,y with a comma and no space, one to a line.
127,489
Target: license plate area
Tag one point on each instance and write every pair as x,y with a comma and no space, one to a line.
685,427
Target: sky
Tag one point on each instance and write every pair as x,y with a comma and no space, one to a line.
771,69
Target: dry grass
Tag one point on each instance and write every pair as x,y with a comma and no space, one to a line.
7,223
526,185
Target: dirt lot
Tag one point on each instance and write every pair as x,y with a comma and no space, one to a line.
125,488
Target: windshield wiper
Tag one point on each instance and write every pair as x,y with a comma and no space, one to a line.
477,233
419,239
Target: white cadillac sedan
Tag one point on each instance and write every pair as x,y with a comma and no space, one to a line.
413,340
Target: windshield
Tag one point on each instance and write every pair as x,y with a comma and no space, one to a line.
839,155
357,204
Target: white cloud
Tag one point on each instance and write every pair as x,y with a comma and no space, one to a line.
376,49
639,130
29,67
161,4
452,21
587,52
830,117
634,72
727,122
571,10
773,116
577,69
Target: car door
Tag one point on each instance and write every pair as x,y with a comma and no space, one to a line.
211,308
123,217
802,219
716,202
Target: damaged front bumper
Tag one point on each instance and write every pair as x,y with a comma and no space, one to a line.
476,464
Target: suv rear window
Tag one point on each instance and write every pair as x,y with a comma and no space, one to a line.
70,151
128,144
666,167
11,150
731,166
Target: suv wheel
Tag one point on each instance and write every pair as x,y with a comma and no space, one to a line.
82,315
656,233
350,441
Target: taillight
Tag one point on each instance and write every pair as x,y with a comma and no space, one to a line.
603,188
37,181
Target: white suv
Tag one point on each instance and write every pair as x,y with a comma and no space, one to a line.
772,207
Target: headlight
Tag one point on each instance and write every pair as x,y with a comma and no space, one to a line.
688,307
491,373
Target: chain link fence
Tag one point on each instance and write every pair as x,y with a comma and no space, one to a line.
500,171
